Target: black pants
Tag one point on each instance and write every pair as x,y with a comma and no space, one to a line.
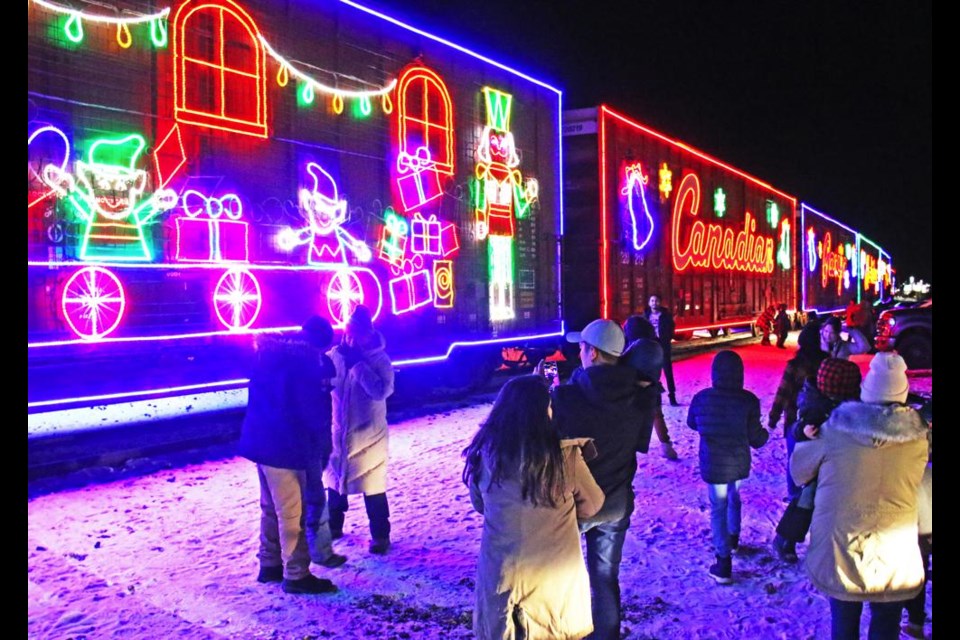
668,369
378,512
915,607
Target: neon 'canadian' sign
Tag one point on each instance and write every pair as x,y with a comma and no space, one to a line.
712,245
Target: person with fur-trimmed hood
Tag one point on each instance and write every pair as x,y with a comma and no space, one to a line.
869,460
358,463
286,432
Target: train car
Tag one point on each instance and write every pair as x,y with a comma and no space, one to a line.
201,171
840,264
647,214
876,274
829,275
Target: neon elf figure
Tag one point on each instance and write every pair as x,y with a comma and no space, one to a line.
108,196
325,213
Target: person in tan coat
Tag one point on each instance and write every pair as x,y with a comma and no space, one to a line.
531,487
869,460
358,462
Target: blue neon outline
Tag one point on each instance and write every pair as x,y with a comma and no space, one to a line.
804,207
237,383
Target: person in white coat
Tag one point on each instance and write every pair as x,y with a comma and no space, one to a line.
358,462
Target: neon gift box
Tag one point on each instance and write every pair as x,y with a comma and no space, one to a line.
410,291
211,240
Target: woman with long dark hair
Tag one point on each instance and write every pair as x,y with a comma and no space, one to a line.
531,487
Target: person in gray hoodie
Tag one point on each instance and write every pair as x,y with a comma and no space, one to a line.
727,417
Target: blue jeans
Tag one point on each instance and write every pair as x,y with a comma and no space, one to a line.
884,620
724,515
604,551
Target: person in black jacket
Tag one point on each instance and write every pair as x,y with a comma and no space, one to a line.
286,432
605,401
727,417
645,354
662,321
837,380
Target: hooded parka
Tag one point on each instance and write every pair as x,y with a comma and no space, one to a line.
358,463
532,582
869,460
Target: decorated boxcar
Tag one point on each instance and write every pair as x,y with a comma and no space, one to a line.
647,214
839,264
206,170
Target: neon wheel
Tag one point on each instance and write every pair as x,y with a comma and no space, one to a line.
237,299
93,303
344,293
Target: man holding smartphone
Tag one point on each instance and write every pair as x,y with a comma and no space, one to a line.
602,400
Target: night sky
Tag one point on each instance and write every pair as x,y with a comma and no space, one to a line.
828,101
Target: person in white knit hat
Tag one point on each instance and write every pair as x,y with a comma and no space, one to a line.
869,460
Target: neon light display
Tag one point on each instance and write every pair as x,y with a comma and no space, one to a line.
500,252
666,182
73,28
831,263
641,222
713,245
105,196
47,140
169,157
425,117
325,213
235,174
212,238
93,303
719,202
783,253
443,284
237,299
773,213
209,64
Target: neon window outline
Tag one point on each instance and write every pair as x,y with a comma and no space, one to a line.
184,112
440,128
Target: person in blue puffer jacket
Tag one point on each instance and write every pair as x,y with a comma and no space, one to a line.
727,417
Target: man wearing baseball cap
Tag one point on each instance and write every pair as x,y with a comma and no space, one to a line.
603,401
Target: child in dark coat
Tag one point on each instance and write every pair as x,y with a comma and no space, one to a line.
727,417
837,380
782,325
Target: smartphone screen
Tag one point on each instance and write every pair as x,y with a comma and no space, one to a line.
550,369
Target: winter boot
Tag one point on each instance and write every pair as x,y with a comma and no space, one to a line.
270,574
668,451
309,584
786,550
673,400
721,570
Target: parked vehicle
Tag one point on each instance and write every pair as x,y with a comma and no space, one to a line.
909,331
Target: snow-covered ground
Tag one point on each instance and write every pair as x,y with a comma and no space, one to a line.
172,554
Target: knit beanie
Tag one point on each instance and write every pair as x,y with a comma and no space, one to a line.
886,381
839,379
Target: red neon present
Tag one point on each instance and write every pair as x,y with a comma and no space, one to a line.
410,291
419,180
449,241
425,234
211,240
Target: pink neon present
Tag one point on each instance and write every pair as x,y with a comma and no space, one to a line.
211,240
425,234
419,188
410,291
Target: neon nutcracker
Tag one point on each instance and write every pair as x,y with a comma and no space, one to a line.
108,196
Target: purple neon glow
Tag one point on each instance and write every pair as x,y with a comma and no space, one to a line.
136,394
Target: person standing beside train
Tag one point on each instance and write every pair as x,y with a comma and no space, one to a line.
662,321
603,401
358,463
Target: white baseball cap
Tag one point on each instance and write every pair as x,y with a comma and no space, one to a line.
605,335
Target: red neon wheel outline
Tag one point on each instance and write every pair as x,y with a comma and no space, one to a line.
344,293
237,299
93,303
